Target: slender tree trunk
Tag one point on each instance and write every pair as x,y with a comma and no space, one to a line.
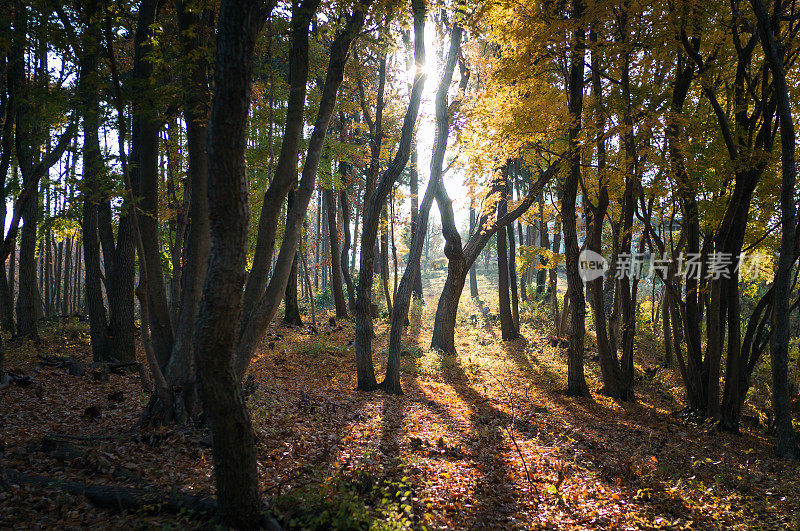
374,201
344,258
508,327
145,181
473,277
258,319
786,445
336,269
385,258
512,265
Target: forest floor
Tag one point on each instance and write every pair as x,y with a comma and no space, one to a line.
484,439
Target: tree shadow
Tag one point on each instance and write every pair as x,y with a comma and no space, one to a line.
633,448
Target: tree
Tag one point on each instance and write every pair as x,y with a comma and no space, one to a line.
215,329
375,201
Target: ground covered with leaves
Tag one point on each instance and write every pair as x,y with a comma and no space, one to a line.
484,439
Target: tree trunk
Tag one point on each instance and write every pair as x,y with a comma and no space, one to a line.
576,382
92,171
215,330
286,168
508,327
336,270
255,323
374,202
786,445
343,260
145,181
473,276
291,314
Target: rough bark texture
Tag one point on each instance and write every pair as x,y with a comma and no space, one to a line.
179,373
92,171
576,381
215,330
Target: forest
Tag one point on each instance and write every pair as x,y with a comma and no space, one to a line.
399,264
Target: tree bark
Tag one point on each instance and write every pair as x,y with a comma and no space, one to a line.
576,381
508,329
220,306
256,322
291,314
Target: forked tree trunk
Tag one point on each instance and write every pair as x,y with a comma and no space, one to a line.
508,329
374,202
254,323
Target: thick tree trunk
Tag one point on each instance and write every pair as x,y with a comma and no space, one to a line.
576,382
215,330
291,313
92,171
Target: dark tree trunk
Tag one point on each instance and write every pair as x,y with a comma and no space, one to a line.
286,168
384,241
336,271
179,372
544,243
215,330
576,381
786,445
473,276
88,89
145,180
596,214
508,327
374,202
512,265
256,321
291,314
